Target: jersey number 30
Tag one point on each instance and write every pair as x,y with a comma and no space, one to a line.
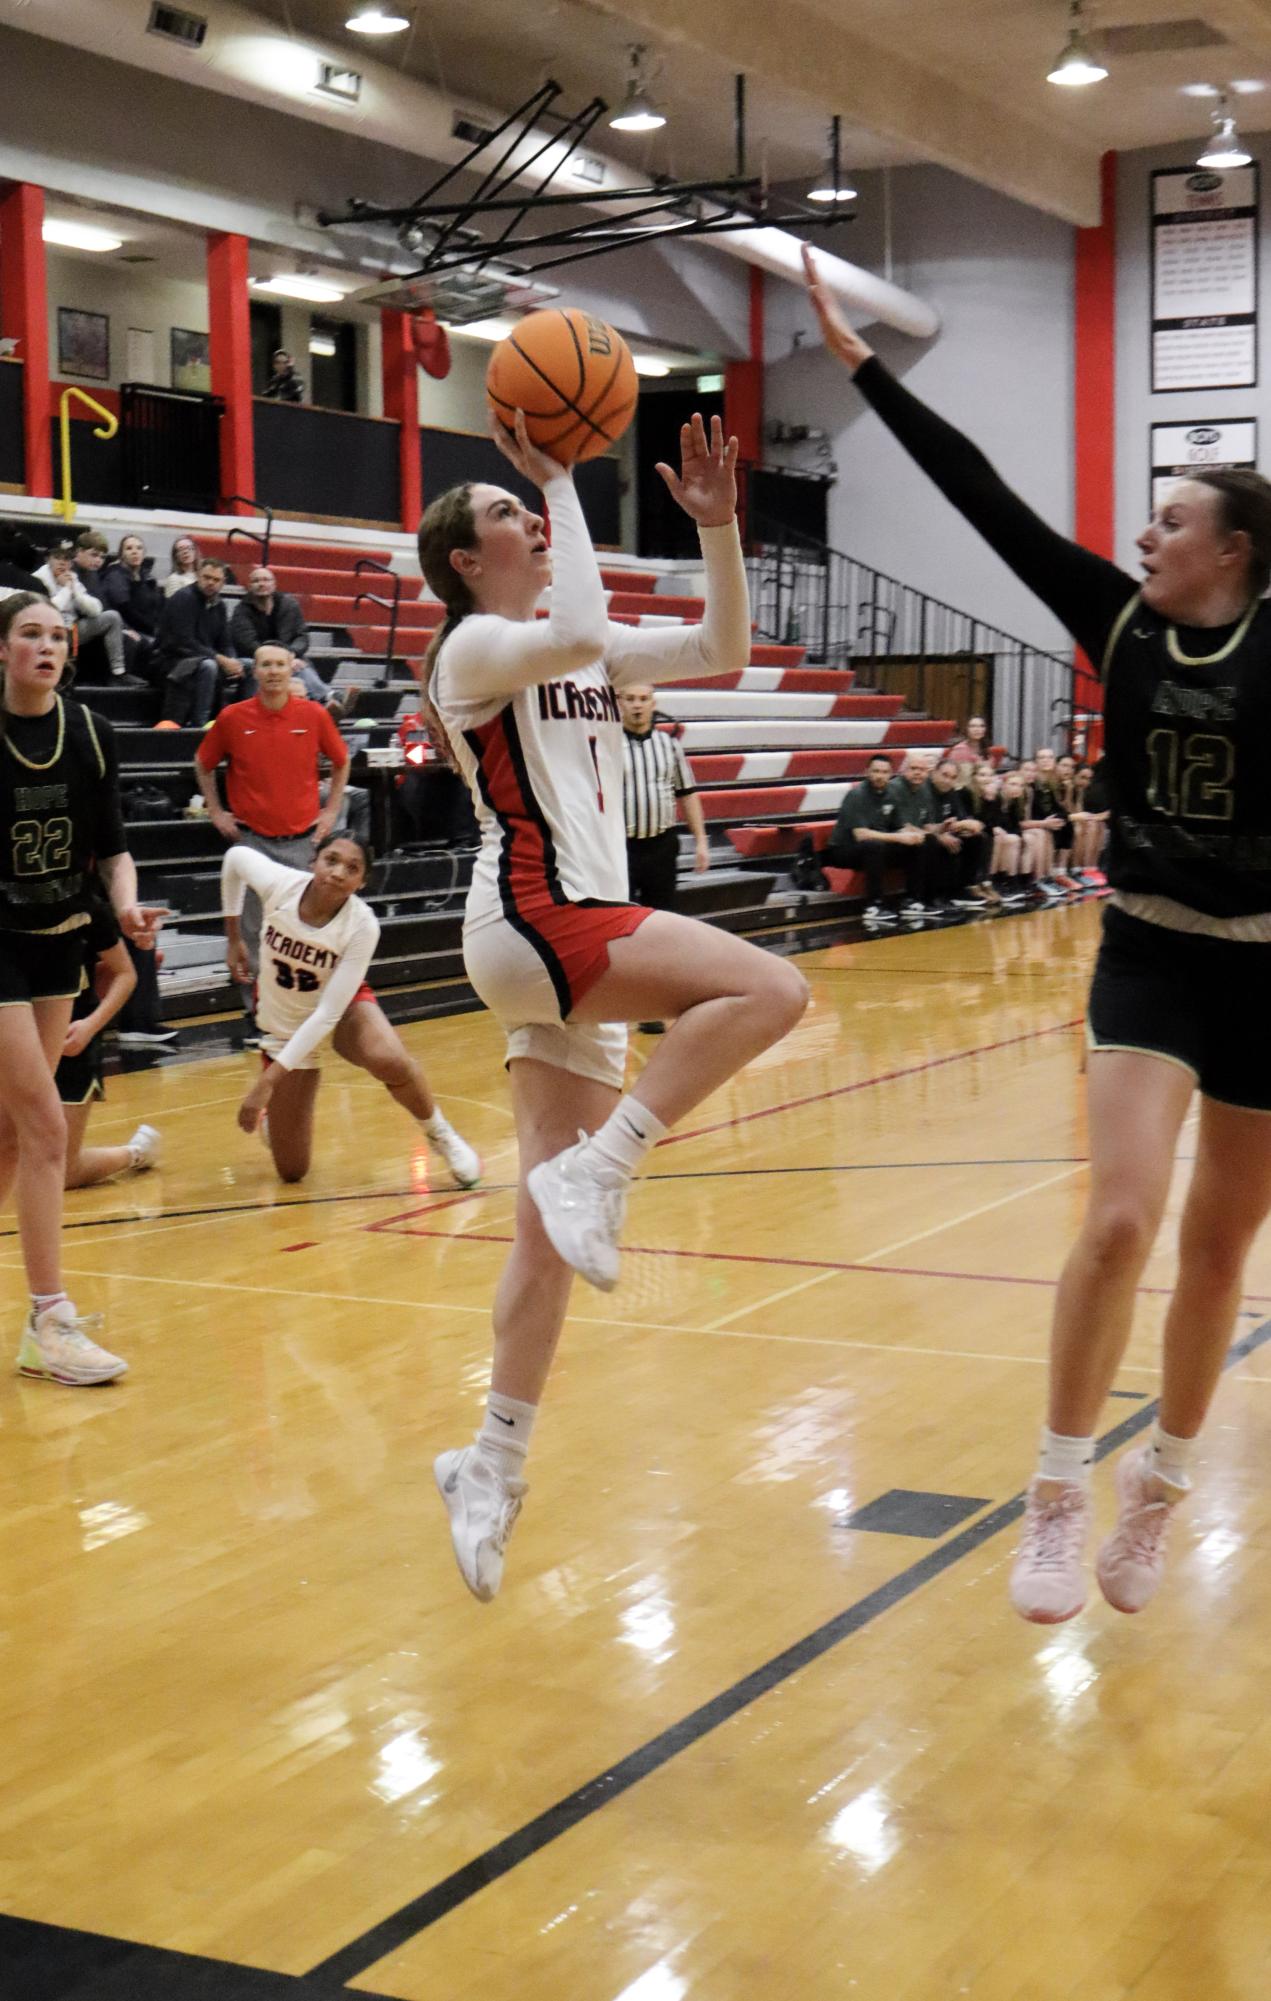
1202,788
295,977
41,847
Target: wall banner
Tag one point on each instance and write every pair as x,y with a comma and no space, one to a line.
1179,449
1204,278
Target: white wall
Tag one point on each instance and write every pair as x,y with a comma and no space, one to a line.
1001,276
131,297
1137,409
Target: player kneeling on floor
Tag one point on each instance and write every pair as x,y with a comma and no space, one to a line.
316,944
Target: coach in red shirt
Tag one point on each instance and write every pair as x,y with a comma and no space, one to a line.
271,746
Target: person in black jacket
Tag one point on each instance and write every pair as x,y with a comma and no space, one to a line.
285,385
267,617
128,587
19,560
196,655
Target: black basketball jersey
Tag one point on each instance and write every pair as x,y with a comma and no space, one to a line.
59,813
1188,764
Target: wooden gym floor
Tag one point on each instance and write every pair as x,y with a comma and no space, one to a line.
751,1717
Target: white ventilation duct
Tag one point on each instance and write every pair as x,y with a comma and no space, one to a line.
251,60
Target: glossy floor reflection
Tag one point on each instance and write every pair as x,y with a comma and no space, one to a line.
711,1742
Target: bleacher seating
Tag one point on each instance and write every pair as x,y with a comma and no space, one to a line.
772,746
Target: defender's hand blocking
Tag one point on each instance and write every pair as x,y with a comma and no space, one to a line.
526,457
706,485
841,339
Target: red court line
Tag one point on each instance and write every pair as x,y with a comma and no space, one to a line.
804,1264
431,1208
867,1083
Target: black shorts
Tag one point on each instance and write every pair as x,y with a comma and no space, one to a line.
1203,1003
79,1078
35,967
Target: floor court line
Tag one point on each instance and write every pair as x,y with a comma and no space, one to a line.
762,1305
435,1903
984,1209
868,1083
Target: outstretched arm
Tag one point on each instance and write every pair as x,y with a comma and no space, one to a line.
1085,592
706,488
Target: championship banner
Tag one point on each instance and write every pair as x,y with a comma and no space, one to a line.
1180,449
1204,278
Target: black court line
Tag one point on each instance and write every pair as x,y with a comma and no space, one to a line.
423,1911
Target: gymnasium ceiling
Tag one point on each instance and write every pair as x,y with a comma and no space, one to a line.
959,82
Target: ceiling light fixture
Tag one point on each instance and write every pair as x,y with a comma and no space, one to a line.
374,20
1223,150
296,285
648,364
832,187
322,344
637,112
1076,63
79,236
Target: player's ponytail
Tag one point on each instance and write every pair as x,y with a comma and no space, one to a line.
448,524
1244,500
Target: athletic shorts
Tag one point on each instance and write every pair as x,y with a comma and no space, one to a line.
272,1046
79,1078
1203,1003
34,966
533,979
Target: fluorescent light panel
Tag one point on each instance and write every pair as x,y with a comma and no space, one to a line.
79,236
294,285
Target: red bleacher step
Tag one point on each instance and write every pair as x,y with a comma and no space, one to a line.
757,843
291,555
644,604
724,767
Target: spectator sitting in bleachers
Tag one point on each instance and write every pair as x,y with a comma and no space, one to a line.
1049,804
871,834
128,587
267,616
63,580
200,671
185,565
956,861
19,561
973,745
1089,814
285,384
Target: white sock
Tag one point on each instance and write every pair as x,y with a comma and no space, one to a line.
1065,1458
1171,1458
435,1125
504,1438
626,1136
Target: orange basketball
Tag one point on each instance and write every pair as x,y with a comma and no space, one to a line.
574,378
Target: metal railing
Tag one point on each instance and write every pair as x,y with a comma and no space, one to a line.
846,614
106,429
390,605
171,447
249,534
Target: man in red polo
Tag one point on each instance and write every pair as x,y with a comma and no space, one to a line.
271,746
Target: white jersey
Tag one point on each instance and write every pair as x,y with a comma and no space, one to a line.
309,973
532,717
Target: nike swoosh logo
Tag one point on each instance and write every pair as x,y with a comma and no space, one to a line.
509,1421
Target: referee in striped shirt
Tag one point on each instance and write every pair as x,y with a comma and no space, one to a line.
655,778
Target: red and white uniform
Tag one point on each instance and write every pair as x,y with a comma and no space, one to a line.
309,973
532,717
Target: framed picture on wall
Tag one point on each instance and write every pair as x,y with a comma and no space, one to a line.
191,360
83,344
1220,443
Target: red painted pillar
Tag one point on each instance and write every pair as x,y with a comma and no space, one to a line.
401,402
230,340
743,388
1094,393
24,316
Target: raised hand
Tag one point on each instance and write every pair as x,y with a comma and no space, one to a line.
842,340
530,462
706,484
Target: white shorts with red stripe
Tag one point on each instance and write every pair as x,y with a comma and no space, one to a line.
531,974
